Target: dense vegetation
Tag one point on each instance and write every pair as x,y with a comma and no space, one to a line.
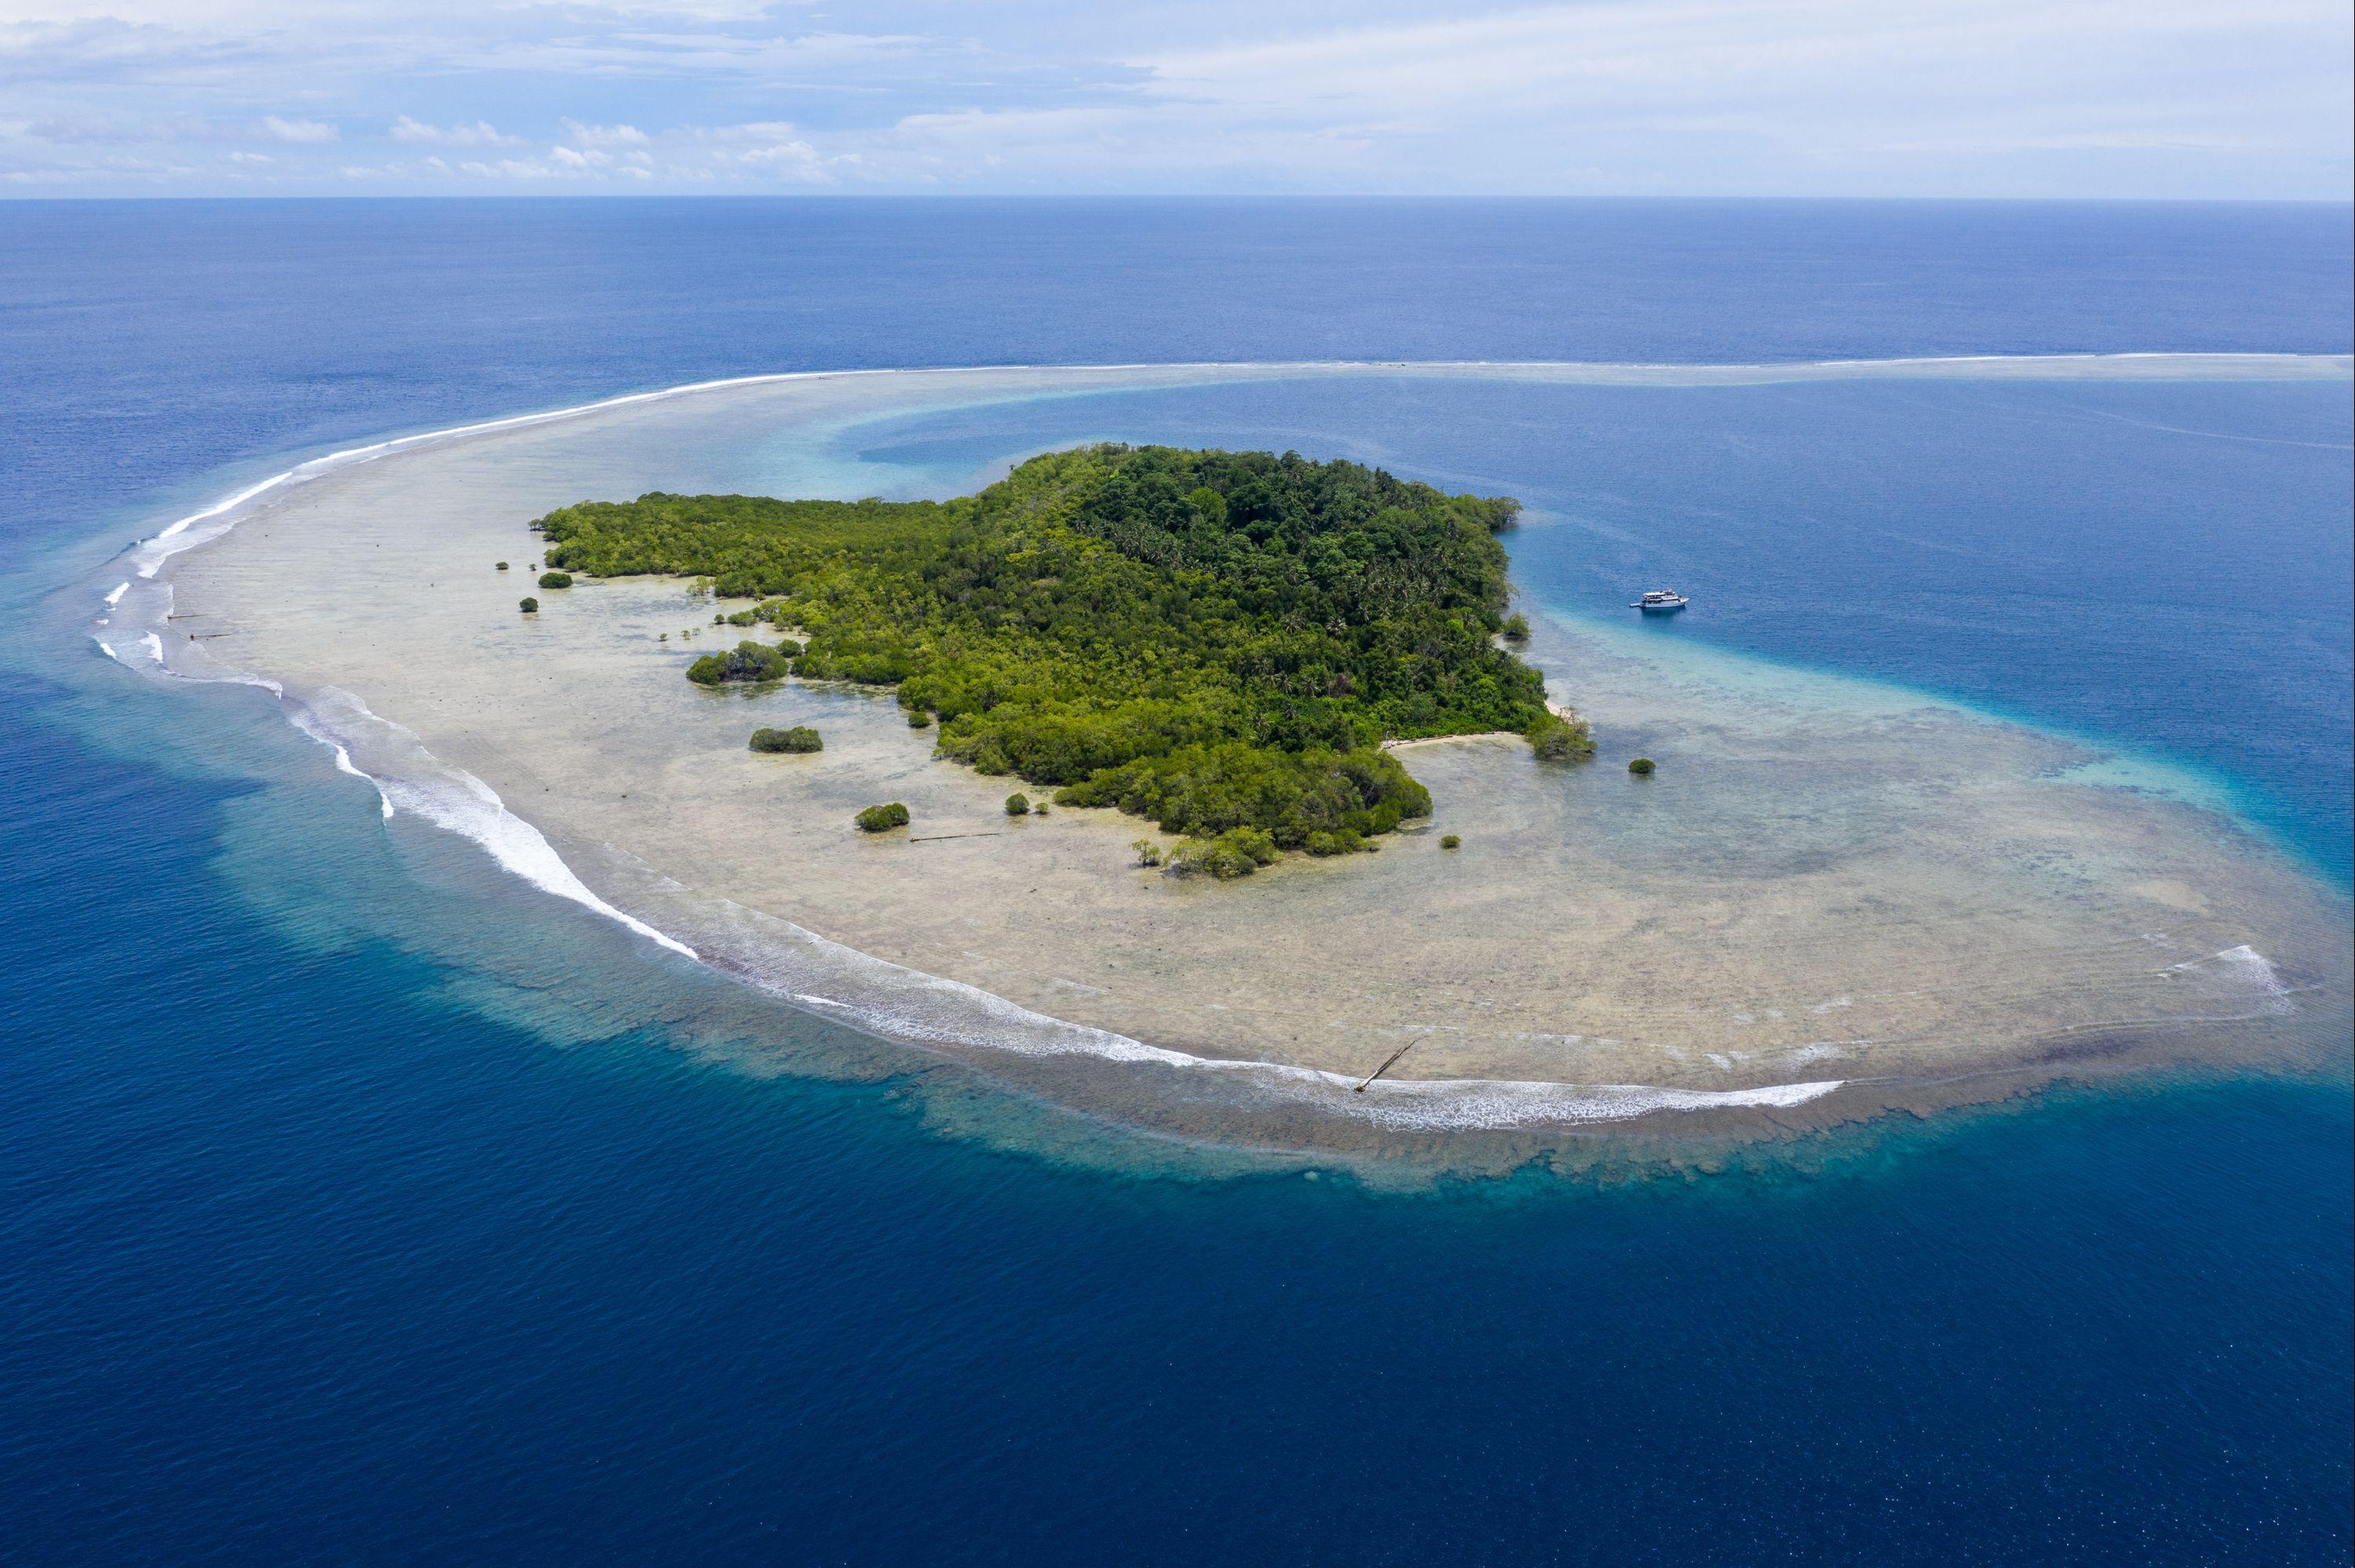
1218,640
883,818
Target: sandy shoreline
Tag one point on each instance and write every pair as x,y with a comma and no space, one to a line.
1828,883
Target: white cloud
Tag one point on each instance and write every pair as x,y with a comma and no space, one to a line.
704,11
604,135
509,169
1796,97
301,132
481,133
795,154
767,148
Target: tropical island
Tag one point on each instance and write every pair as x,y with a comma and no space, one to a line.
1221,641
1827,898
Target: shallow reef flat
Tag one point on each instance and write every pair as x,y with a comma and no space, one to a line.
1833,897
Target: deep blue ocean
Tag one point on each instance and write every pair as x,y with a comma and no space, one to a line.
312,1251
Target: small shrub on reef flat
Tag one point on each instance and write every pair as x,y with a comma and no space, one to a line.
801,738
1340,841
1517,627
1147,851
1018,804
882,819
749,662
530,606
919,719
1449,840
1641,765
555,579
502,566
1557,739
1238,852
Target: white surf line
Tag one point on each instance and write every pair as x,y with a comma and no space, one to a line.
301,720
461,804
985,1020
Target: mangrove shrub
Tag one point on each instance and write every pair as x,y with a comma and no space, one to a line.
1238,852
1557,739
745,662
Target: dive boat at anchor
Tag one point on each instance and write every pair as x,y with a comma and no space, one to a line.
1661,601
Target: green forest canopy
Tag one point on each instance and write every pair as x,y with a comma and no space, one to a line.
1214,640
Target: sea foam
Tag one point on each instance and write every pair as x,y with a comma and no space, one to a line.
455,801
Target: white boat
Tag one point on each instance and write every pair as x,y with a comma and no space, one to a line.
1661,601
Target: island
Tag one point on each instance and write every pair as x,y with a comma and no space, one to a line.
1832,898
1221,642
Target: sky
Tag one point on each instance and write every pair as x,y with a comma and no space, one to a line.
2162,99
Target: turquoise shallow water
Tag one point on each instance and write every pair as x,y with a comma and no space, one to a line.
356,1201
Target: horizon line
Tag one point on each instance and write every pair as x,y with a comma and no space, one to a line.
1451,197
